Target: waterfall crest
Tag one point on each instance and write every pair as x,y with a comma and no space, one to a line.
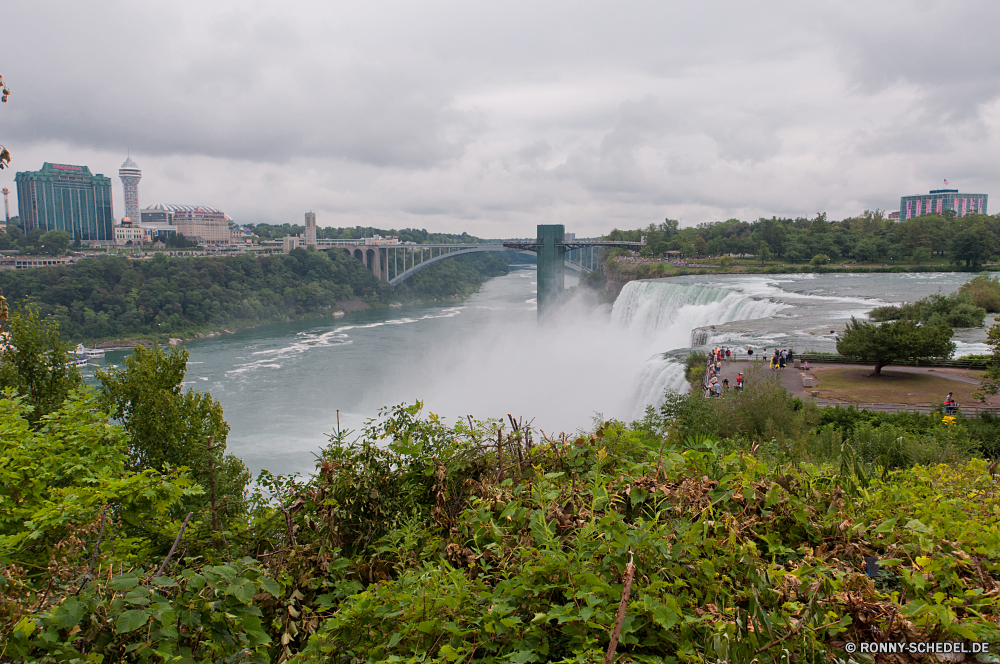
661,316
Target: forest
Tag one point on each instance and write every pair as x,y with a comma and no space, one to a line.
741,529
871,237
111,297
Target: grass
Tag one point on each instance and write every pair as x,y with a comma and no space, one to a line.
859,386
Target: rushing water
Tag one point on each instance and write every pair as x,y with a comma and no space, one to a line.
282,385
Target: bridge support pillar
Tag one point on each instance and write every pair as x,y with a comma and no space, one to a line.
551,269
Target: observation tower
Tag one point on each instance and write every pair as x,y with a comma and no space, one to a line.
130,175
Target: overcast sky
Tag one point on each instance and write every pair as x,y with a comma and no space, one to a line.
494,117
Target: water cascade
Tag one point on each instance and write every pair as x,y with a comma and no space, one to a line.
661,315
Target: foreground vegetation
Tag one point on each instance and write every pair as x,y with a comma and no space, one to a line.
739,525
110,297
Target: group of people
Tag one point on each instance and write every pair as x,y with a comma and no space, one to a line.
714,387
781,357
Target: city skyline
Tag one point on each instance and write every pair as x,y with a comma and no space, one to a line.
492,120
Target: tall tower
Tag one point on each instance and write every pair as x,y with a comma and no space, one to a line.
310,228
6,204
130,175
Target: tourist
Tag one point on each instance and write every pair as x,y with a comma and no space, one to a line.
749,354
781,360
729,355
725,384
805,365
739,382
790,358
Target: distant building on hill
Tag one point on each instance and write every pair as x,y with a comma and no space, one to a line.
195,222
67,198
310,228
939,201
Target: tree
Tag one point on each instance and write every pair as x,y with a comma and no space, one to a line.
169,428
820,259
763,252
56,242
892,341
921,255
973,245
700,245
35,362
866,250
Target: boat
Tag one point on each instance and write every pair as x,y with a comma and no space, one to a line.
89,353
78,361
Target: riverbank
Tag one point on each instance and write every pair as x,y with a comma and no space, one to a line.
109,301
344,308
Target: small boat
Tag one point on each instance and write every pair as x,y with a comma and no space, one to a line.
89,353
78,361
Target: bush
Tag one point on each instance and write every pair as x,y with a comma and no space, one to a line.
820,259
983,291
695,367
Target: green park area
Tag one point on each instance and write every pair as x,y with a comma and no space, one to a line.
854,385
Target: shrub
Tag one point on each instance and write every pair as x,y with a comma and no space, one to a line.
820,259
983,291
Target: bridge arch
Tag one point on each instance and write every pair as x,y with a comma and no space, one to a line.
409,272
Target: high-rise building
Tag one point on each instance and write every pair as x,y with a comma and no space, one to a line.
66,198
310,228
941,200
130,175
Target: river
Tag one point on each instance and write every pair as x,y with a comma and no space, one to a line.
281,385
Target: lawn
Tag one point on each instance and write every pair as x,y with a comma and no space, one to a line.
859,386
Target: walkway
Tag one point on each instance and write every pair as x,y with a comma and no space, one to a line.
794,381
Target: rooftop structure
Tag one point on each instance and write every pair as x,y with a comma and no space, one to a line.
130,175
939,201
66,198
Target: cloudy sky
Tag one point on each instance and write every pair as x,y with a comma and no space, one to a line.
493,117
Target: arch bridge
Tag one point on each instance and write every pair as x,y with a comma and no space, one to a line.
393,262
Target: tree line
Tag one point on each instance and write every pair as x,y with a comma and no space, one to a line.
870,237
417,236
108,297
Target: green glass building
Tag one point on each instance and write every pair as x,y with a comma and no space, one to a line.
66,198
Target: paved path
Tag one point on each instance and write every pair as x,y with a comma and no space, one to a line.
792,380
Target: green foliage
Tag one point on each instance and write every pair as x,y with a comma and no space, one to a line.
55,243
168,428
61,476
207,614
894,340
955,310
819,259
108,297
694,367
982,291
35,362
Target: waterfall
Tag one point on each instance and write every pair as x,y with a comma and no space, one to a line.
662,315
